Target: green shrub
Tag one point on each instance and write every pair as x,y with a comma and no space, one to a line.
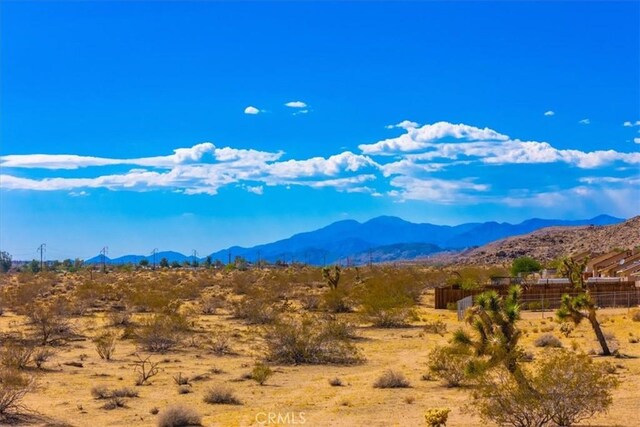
449,364
261,373
437,417
105,344
386,305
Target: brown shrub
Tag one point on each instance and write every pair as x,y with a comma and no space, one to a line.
179,416
391,379
221,396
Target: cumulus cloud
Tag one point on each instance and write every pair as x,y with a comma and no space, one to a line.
636,140
629,124
549,113
584,121
296,104
252,110
432,162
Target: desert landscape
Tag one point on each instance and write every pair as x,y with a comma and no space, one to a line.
225,333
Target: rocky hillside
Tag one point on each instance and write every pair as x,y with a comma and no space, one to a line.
549,243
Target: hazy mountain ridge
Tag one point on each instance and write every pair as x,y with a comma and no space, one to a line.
380,239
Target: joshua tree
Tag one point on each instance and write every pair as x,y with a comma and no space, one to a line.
581,306
493,319
332,278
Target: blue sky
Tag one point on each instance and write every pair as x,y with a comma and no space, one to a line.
434,112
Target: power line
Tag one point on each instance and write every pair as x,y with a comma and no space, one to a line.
103,255
154,252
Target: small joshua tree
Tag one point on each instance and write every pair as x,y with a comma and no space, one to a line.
493,319
332,278
581,306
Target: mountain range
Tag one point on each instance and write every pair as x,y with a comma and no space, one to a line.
381,239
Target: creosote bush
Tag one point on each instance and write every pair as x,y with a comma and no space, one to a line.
261,373
179,416
105,344
219,395
565,388
449,364
391,379
548,340
310,341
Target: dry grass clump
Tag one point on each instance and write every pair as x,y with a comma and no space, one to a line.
14,385
335,382
219,395
392,379
105,344
548,340
635,316
435,327
179,416
310,341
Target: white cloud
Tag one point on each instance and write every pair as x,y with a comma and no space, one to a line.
405,124
252,110
258,189
636,140
585,122
629,124
296,104
549,113
78,193
426,136
436,190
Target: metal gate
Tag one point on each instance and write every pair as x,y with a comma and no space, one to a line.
463,305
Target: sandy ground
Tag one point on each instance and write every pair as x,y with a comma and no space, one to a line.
300,392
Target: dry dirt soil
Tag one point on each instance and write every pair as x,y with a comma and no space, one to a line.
64,392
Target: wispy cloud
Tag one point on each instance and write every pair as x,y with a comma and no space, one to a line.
629,124
549,113
584,121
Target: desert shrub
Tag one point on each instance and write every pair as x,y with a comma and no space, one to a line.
49,323
437,417
310,302
391,379
100,392
16,354
548,340
14,385
105,344
452,306
449,364
124,392
114,402
565,388
119,318
258,307
308,341
261,373
179,416
146,369
162,332
336,300
221,396
635,316
41,356
221,344
180,379
435,327
210,304
566,329
335,382
154,410
184,389
384,304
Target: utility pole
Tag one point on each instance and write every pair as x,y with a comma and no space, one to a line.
104,252
229,256
154,252
195,256
258,258
42,249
